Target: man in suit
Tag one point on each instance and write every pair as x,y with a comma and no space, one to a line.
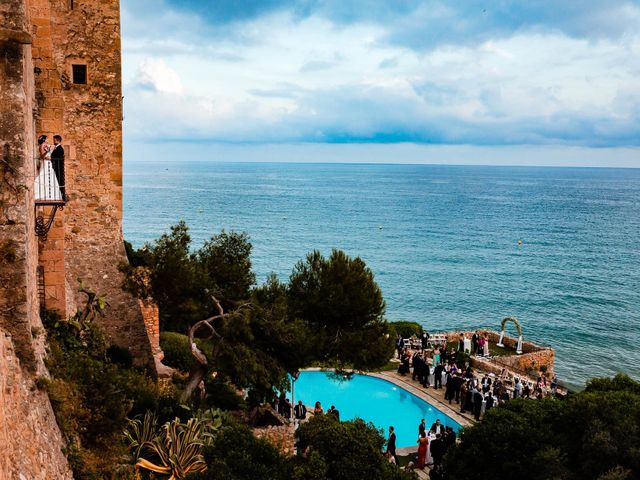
391,444
437,428
416,360
299,412
477,403
475,340
437,372
57,160
422,427
335,412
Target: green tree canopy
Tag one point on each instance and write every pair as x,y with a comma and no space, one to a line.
331,311
342,306
181,280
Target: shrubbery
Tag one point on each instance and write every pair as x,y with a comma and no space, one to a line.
327,449
93,396
406,329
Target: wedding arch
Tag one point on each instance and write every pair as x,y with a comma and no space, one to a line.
503,326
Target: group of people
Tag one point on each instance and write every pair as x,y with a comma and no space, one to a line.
433,443
283,406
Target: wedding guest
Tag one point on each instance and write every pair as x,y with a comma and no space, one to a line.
423,444
425,340
422,426
391,444
437,427
517,389
300,411
318,409
437,450
437,372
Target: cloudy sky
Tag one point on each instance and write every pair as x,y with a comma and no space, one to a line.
494,81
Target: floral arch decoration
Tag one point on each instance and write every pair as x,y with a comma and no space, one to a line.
503,325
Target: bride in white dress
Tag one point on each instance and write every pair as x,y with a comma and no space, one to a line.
46,186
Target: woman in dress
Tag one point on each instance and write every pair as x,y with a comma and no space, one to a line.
44,149
423,444
486,345
46,186
318,409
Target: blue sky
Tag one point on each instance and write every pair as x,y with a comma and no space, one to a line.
546,82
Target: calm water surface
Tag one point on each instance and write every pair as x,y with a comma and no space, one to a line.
441,240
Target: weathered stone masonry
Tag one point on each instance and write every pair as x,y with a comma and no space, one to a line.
30,441
86,240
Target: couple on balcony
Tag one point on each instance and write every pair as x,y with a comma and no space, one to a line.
49,183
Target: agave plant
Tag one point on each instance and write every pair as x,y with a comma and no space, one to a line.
175,450
178,449
140,433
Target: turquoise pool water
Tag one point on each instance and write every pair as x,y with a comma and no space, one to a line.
372,399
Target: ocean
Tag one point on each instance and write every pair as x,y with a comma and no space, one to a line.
442,241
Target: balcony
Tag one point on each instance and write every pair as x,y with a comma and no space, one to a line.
48,191
49,188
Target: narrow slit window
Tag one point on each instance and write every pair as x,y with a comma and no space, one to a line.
79,74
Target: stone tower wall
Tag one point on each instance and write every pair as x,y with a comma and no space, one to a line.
86,240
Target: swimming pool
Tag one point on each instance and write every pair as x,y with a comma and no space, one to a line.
372,399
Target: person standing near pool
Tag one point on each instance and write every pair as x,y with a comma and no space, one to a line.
423,444
422,427
299,412
318,409
391,444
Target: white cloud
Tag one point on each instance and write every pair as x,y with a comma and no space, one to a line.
281,78
155,75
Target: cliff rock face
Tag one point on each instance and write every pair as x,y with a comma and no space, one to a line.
29,436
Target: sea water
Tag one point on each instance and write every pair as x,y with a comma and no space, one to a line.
451,247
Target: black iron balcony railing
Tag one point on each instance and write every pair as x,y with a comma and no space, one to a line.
49,193
49,187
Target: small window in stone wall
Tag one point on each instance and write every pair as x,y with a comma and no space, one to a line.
79,72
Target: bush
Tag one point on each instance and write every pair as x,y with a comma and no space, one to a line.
120,356
236,454
92,396
350,450
406,329
177,352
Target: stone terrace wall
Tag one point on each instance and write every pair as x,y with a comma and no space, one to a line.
529,362
282,437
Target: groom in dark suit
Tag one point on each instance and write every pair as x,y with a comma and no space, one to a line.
57,159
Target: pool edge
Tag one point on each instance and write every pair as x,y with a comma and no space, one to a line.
424,395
